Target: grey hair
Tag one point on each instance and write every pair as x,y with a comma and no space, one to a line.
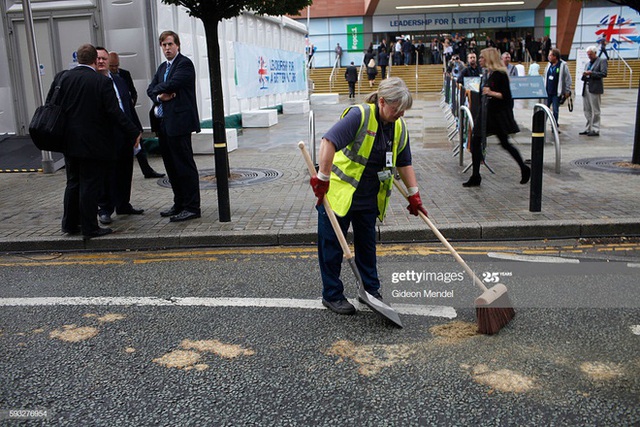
592,49
394,91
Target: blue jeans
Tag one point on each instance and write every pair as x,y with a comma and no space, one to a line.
330,253
553,101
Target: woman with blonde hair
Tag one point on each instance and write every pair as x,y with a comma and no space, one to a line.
498,113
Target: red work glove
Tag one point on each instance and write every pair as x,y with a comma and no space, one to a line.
415,205
320,188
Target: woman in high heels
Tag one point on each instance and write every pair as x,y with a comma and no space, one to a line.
498,115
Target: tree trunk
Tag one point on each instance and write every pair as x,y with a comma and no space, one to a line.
219,133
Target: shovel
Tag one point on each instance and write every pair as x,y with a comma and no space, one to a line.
374,304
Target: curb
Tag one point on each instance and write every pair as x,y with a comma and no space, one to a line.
490,231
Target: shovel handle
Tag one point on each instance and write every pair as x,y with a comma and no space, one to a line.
327,206
444,241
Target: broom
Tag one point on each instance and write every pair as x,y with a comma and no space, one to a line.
493,308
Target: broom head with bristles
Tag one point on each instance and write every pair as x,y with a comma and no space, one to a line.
494,310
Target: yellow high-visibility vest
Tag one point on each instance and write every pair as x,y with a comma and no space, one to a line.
350,162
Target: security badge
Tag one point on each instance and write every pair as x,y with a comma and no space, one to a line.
387,173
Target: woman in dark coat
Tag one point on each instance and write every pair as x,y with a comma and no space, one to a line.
498,115
369,59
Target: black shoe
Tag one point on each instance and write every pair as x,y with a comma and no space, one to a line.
104,218
171,212
376,295
184,216
474,181
74,230
98,233
526,174
154,174
592,133
130,211
341,306
586,132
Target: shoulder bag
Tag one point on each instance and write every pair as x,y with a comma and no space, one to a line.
48,124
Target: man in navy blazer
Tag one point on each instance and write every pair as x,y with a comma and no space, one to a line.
92,112
175,116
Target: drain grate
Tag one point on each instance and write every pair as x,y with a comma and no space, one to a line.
239,177
608,164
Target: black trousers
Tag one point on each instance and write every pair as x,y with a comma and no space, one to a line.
352,89
85,181
177,155
117,186
477,156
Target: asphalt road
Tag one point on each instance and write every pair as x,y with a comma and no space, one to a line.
237,336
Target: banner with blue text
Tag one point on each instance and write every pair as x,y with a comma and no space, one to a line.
264,71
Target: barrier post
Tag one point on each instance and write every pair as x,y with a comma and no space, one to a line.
537,157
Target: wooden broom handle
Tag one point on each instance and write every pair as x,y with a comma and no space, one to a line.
325,203
444,241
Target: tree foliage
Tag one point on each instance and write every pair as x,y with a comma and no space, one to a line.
218,10
633,4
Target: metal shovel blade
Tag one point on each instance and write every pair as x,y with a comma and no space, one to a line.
373,303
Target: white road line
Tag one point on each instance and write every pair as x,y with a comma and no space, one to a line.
635,329
314,304
633,265
533,258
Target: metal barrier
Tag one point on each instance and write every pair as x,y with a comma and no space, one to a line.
465,124
621,59
554,127
332,76
312,136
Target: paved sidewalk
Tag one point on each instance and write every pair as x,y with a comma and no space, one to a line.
579,201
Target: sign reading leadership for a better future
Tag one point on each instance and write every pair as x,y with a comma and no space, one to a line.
264,71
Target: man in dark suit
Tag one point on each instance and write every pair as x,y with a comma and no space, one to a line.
351,75
114,69
92,112
117,186
175,116
594,71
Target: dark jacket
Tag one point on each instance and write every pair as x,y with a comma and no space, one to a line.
123,141
92,111
500,111
469,71
181,113
126,76
351,75
383,59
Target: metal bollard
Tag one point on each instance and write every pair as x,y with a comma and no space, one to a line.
537,157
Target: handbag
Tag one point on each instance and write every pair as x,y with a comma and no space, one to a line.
372,63
48,124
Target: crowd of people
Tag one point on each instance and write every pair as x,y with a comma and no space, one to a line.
495,114
441,49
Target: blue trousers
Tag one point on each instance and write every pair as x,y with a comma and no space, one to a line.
330,253
553,101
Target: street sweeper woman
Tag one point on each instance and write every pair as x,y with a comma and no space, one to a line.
358,158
